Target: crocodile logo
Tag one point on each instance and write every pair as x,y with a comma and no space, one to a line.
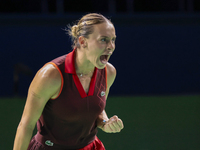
103,93
49,143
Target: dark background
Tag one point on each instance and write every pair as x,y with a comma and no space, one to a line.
157,47
156,92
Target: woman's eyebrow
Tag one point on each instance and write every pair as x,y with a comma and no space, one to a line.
108,37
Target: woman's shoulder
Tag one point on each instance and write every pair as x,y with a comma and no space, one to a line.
111,73
47,81
49,70
110,69
49,74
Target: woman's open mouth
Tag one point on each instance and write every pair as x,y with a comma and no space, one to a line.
104,59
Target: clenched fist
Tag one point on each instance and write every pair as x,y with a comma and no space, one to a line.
113,125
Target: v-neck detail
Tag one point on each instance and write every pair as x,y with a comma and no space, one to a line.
70,68
80,87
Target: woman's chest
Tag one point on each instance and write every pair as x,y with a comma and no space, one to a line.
85,83
80,98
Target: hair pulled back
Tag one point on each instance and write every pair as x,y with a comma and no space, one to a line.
84,27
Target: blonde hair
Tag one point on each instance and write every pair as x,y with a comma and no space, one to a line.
84,27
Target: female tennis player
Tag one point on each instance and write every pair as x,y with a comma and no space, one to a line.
67,96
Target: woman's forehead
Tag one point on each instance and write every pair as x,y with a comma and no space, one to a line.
104,29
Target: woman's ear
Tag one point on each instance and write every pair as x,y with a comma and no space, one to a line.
82,41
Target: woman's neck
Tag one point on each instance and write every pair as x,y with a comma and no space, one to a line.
82,65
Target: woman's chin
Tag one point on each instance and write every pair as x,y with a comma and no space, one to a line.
101,65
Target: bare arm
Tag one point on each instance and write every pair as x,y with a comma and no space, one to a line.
113,124
45,85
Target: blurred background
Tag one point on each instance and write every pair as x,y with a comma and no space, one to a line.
156,92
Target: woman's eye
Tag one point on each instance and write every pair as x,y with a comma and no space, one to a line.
103,40
113,40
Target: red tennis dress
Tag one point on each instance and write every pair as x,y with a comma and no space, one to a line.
68,122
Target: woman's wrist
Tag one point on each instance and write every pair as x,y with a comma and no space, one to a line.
101,124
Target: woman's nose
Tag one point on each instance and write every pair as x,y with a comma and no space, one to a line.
111,45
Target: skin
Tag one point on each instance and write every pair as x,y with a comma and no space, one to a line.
47,82
100,42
